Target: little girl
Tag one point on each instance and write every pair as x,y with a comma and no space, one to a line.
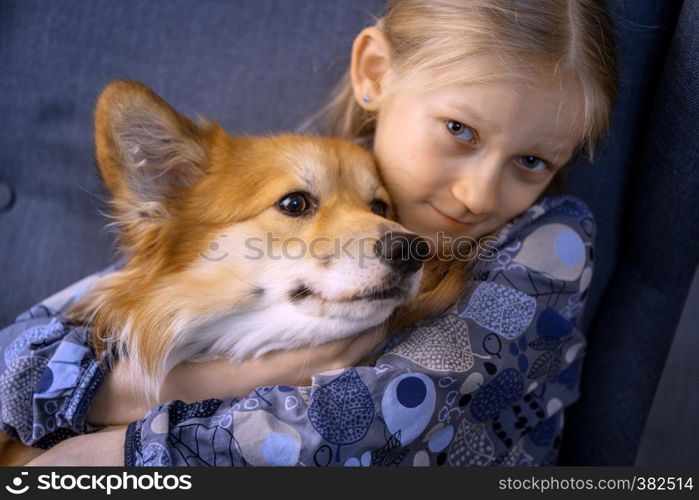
473,109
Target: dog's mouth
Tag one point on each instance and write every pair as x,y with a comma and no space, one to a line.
303,291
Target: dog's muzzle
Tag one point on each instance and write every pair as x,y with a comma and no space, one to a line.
404,252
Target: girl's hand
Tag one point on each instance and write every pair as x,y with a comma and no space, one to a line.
104,448
221,378
116,403
13,453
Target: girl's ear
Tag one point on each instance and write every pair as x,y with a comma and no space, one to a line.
370,64
146,151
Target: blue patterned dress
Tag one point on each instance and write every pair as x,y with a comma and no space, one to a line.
484,384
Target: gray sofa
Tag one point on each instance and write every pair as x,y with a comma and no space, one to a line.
264,66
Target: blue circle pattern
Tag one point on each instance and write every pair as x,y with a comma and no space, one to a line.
45,381
411,391
569,248
280,449
441,439
406,413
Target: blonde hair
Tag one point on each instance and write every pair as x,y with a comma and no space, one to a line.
569,43
564,42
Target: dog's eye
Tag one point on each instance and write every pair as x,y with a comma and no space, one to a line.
379,207
294,204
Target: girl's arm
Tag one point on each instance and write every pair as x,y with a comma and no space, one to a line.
485,384
102,448
116,403
48,377
48,371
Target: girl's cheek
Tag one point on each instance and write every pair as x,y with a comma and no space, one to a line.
519,203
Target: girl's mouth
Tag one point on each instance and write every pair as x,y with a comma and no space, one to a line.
451,220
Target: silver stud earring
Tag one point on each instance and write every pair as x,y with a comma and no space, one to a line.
366,98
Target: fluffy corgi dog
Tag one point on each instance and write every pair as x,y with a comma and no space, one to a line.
236,246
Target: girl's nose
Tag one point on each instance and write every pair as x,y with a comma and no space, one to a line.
478,188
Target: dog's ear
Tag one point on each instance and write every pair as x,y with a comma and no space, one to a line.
147,152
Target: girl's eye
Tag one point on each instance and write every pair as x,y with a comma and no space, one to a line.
532,163
460,131
379,207
294,204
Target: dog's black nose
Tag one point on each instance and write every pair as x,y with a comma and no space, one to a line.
404,252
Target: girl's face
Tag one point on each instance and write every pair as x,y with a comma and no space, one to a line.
464,159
